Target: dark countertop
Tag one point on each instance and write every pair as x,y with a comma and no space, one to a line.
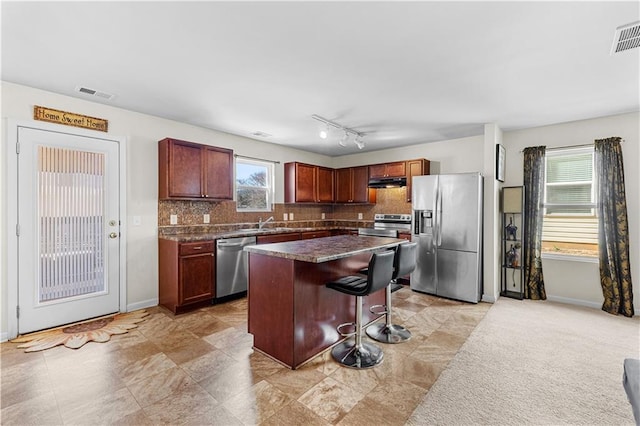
318,250
208,236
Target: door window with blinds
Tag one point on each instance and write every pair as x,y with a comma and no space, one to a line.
70,208
570,222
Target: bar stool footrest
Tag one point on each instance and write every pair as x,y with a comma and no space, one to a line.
340,327
374,310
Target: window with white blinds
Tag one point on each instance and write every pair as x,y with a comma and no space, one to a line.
570,198
569,182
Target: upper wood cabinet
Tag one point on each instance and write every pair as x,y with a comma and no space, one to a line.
396,169
351,186
188,170
417,167
306,183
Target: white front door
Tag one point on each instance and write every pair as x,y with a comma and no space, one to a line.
68,228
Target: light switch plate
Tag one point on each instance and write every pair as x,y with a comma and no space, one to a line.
290,216
359,215
285,217
206,218
173,219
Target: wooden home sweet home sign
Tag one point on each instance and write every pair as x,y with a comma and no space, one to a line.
69,118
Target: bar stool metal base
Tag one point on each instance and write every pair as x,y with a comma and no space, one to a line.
348,354
388,333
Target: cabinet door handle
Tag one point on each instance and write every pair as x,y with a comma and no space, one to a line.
197,248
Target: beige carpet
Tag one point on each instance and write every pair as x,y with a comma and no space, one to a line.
533,362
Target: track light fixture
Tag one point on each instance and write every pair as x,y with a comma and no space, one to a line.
324,133
344,139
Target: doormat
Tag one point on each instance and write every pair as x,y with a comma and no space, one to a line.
76,335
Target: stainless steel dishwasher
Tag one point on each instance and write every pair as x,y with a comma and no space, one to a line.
232,266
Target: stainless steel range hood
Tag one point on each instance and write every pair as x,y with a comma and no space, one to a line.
389,182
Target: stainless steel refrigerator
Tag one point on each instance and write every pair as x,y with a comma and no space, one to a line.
447,225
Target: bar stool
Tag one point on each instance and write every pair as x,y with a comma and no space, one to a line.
404,263
361,354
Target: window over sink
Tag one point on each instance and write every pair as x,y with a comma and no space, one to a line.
254,185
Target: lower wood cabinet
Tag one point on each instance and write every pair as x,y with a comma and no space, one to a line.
187,274
405,235
277,238
315,234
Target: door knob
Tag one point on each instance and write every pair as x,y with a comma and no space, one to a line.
113,235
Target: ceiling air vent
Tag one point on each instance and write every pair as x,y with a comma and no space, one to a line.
626,37
93,92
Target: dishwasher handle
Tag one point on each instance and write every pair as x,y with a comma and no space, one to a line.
222,244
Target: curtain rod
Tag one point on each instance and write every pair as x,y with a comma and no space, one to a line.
557,148
254,158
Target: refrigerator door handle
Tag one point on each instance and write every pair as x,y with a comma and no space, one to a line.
438,215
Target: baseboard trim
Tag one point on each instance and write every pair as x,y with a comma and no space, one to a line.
488,299
142,305
579,302
4,337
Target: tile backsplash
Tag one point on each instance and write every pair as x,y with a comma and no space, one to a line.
190,214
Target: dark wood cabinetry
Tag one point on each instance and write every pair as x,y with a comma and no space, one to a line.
315,234
351,186
417,167
396,169
405,235
189,170
277,238
187,274
306,183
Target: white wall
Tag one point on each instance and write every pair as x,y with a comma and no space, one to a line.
492,240
573,281
450,156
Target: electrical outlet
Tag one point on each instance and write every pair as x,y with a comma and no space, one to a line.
206,218
173,219
359,215
290,216
322,215
285,217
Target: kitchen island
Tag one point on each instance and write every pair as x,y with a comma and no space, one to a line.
292,315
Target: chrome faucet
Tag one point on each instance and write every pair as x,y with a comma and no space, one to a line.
261,223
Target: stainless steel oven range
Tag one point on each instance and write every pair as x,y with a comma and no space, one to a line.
388,225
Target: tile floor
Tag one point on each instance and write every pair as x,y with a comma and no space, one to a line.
199,368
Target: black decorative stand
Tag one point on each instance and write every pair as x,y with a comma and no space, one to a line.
512,273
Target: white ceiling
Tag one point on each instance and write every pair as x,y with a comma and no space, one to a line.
402,73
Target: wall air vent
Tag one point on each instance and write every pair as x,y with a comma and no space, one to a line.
626,37
93,92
